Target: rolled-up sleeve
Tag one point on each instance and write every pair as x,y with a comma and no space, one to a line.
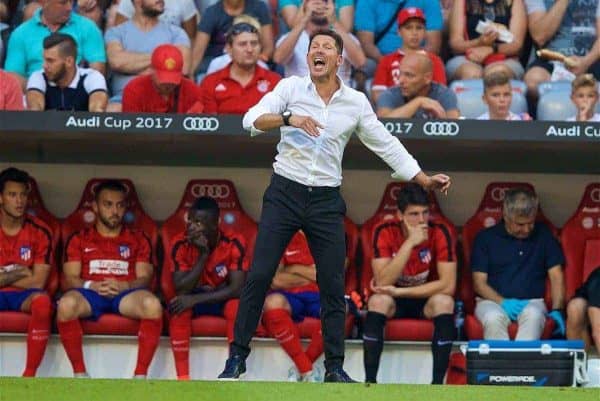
273,102
379,140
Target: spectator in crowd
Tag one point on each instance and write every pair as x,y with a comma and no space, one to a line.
209,269
567,27
583,311
497,95
93,9
130,45
182,13
411,28
376,27
218,63
295,296
416,96
240,85
62,85
474,50
108,269
25,263
292,48
216,22
584,94
4,11
25,50
408,253
510,263
11,94
165,89
290,12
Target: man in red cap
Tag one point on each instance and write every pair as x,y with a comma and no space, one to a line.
165,89
411,27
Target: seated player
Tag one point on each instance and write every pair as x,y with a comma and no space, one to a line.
295,296
209,269
408,252
25,255
108,269
583,311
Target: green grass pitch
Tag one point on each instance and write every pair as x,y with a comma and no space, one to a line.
138,390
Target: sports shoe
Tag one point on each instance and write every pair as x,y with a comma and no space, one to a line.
314,376
293,375
235,368
82,375
139,377
338,375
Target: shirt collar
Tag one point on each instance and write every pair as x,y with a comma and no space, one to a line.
74,82
259,72
308,84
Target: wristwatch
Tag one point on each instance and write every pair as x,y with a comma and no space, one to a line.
286,117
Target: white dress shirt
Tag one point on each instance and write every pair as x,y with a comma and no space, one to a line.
317,161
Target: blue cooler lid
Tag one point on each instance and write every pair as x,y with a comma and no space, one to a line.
548,345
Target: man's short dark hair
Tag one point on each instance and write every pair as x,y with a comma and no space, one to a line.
110,185
14,175
207,204
339,43
66,44
411,194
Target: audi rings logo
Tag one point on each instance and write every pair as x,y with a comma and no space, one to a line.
441,128
215,191
201,124
595,195
498,194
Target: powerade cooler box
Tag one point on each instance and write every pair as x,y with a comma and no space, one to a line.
526,363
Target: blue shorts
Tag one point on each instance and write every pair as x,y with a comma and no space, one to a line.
304,304
12,300
101,304
212,309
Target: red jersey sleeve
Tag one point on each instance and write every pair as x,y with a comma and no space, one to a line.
207,89
178,256
444,244
237,255
382,78
439,72
133,100
43,247
145,249
383,242
73,251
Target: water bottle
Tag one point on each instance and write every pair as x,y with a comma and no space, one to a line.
459,320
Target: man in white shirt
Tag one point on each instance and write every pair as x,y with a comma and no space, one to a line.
317,115
292,47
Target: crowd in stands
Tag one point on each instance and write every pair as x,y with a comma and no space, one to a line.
408,56
519,282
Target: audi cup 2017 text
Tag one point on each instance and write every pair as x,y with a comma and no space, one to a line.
120,123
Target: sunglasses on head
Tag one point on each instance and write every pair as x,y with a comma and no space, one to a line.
242,27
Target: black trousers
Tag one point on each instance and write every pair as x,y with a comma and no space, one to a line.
319,211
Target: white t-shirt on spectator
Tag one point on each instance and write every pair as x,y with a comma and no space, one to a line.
94,80
297,65
176,11
595,118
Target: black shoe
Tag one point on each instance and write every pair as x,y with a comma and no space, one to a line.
338,375
235,368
